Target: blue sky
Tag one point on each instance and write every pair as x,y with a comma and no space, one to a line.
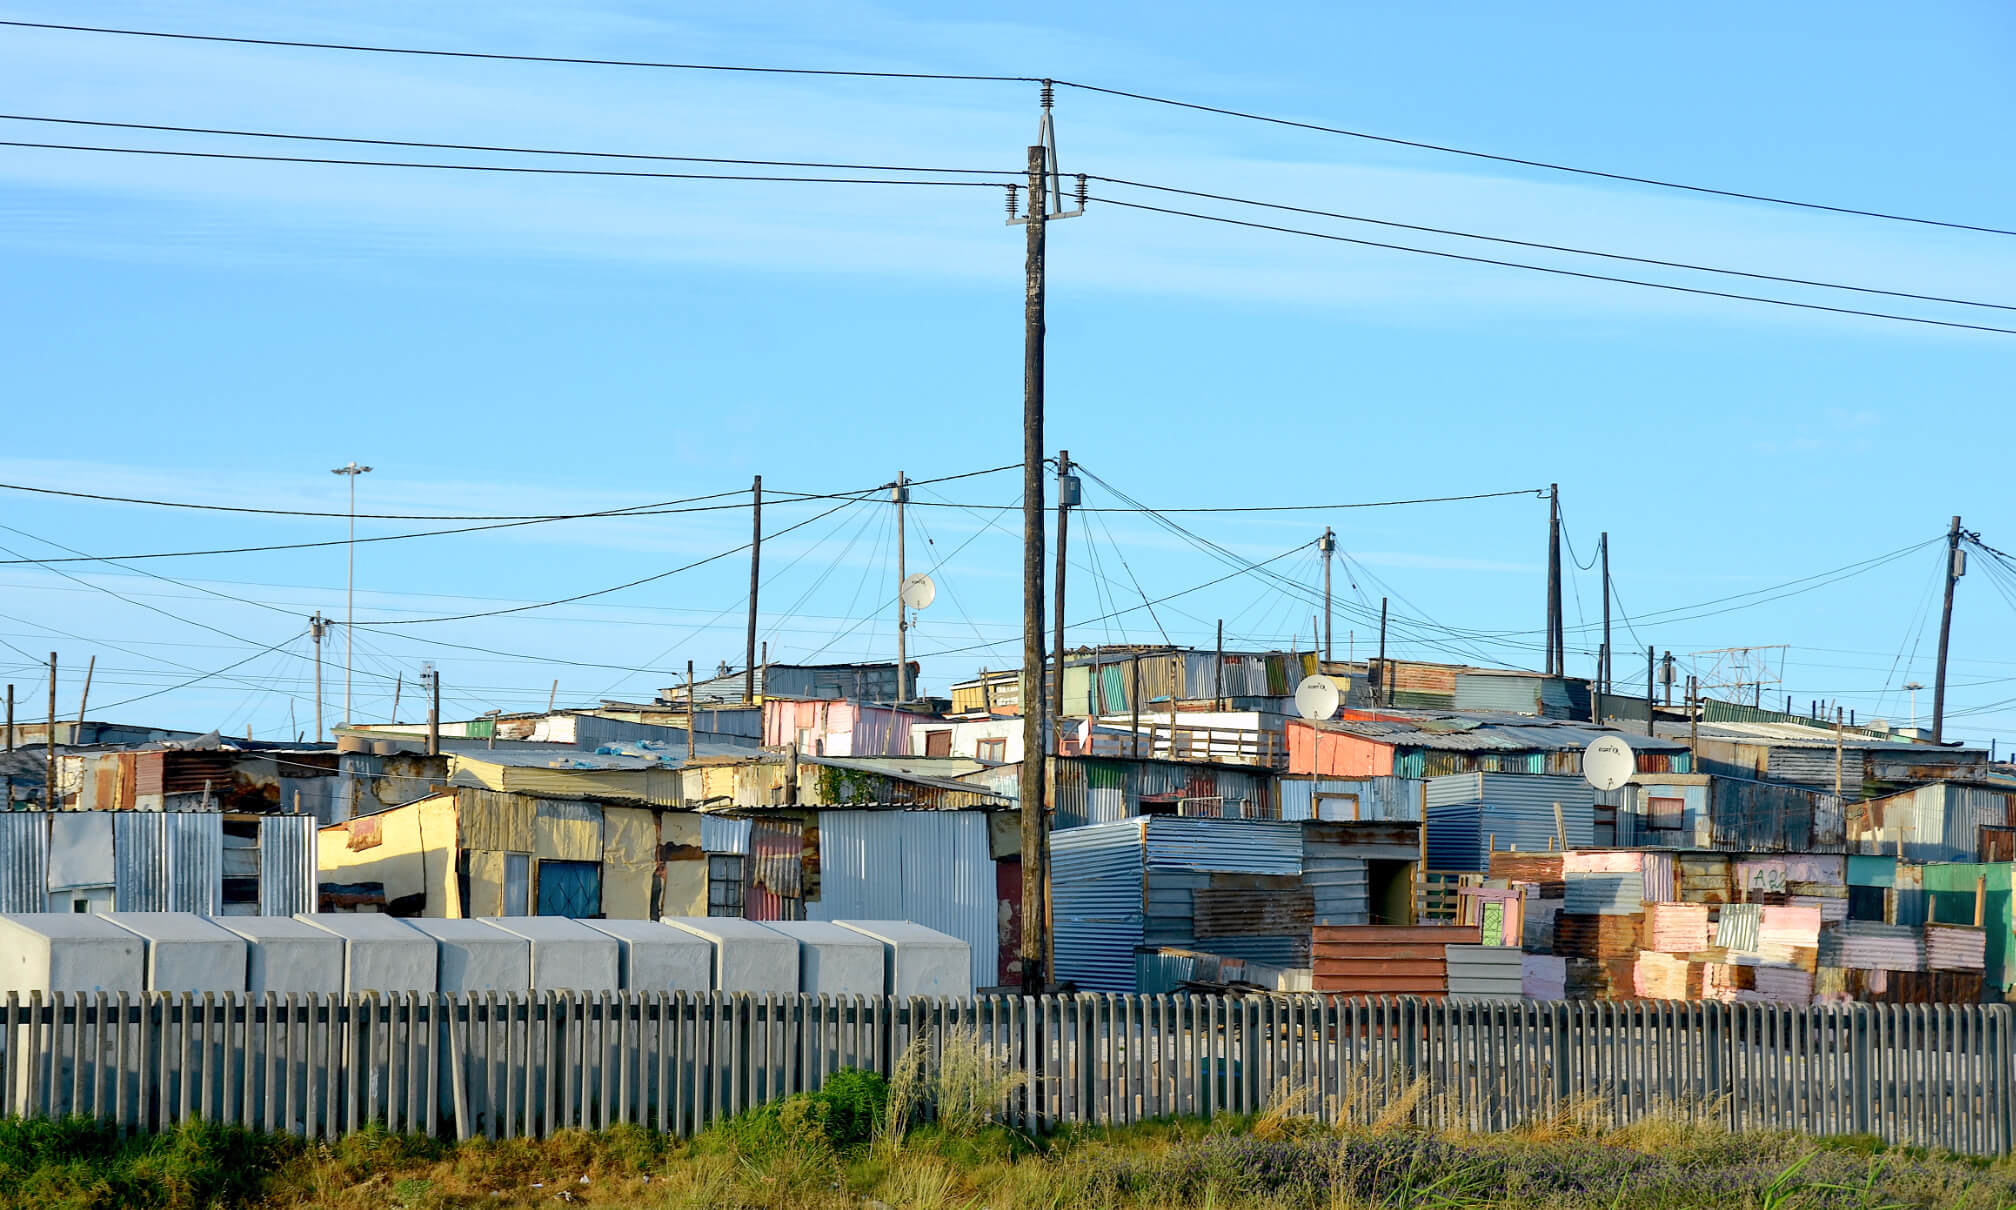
227,332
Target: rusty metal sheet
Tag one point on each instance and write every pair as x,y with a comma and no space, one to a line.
1282,907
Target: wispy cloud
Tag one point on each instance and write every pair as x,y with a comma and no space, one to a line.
136,206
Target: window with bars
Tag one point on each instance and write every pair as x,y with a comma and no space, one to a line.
724,884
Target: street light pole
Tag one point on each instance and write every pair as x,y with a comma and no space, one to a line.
350,590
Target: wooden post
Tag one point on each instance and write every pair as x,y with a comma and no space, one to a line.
1134,698
84,698
691,722
1560,827
553,695
1057,644
1651,658
1384,696
1837,752
1218,681
1035,865
49,744
1953,568
901,495
315,629
398,689
755,567
1980,899
10,726
434,712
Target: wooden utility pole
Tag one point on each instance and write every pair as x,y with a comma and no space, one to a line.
755,567
10,726
1329,547
1838,744
315,629
1133,701
1693,723
1217,684
901,495
1603,663
553,695
1035,833
1651,659
1956,566
1065,501
1554,651
84,698
434,712
1385,694
690,721
49,743
398,691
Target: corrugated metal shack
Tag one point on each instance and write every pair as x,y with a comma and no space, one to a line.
957,871
1247,889
1703,811
1470,815
865,682
216,776
1532,693
1096,790
157,861
473,851
1386,961
1395,799
1943,821
1761,926
1812,755
1418,744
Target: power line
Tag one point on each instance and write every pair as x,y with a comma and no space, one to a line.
752,69
603,592
1244,201
1559,272
429,533
631,510
202,677
1532,163
1250,567
509,58
506,168
507,150
1546,247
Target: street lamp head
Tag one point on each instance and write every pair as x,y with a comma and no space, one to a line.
352,469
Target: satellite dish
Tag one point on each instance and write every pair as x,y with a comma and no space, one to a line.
1608,763
1316,698
918,591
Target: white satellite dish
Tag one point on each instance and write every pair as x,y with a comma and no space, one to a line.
1316,698
918,591
1608,763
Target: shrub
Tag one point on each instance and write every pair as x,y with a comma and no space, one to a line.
841,1115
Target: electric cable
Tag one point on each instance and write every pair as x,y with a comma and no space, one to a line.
1533,163
519,169
601,592
1558,271
1547,247
1149,98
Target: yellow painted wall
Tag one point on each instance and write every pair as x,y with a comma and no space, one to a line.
416,854
685,865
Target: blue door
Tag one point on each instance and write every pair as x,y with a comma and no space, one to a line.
570,888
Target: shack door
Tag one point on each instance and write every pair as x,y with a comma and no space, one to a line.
570,888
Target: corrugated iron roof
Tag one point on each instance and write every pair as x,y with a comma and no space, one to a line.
1481,731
